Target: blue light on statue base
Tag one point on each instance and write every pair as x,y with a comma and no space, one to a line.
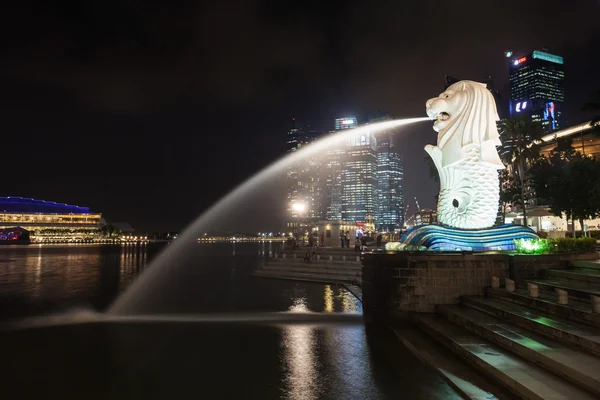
446,238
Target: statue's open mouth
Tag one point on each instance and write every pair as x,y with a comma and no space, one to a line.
443,116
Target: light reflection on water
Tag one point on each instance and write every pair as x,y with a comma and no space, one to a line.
314,357
294,361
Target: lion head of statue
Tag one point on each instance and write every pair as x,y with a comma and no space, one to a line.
464,114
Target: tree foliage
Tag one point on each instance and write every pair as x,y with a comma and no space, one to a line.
569,182
519,150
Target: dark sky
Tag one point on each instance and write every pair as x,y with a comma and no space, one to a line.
150,112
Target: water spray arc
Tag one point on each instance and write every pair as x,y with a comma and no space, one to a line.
175,255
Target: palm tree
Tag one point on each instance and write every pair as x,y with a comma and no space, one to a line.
519,149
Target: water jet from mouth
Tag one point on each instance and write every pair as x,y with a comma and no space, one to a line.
175,255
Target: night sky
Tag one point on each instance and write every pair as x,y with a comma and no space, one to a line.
150,112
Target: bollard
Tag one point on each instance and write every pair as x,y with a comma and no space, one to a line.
562,296
330,258
357,258
595,304
495,282
274,255
283,256
533,289
510,285
318,256
344,258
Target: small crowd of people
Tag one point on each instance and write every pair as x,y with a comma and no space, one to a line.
360,241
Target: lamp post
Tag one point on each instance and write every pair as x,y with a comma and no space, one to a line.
298,208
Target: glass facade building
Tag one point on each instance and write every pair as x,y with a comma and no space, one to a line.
303,180
537,88
359,178
390,177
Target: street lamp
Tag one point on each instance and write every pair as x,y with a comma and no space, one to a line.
298,207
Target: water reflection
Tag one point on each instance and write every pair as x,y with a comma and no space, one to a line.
57,274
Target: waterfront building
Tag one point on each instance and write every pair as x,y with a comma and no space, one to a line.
359,178
390,177
334,171
48,220
537,88
389,215
304,196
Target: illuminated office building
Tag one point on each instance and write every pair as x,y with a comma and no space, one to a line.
304,201
390,177
389,214
359,178
334,172
50,220
346,123
537,88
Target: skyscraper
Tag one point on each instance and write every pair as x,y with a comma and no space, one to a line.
390,177
537,88
359,178
389,213
346,123
304,201
333,171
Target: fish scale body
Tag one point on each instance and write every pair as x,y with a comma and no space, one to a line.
473,178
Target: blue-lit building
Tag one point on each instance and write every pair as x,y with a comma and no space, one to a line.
48,219
537,88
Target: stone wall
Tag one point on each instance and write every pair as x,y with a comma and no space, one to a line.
397,283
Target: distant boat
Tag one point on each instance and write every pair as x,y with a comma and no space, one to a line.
12,236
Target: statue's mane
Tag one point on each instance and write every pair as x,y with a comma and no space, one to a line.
475,124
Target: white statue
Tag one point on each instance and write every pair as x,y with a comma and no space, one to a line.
465,156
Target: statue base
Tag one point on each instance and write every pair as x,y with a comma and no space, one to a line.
446,238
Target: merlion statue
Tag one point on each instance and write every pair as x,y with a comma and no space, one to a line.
466,157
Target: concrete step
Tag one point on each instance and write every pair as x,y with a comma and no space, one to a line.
585,337
324,263
577,311
323,278
577,290
589,276
469,383
564,361
524,379
323,260
329,271
320,267
594,265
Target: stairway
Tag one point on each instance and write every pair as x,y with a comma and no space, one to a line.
332,266
532,347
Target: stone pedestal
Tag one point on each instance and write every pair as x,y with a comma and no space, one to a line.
397,283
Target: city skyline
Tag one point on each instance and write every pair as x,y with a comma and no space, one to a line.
151,122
